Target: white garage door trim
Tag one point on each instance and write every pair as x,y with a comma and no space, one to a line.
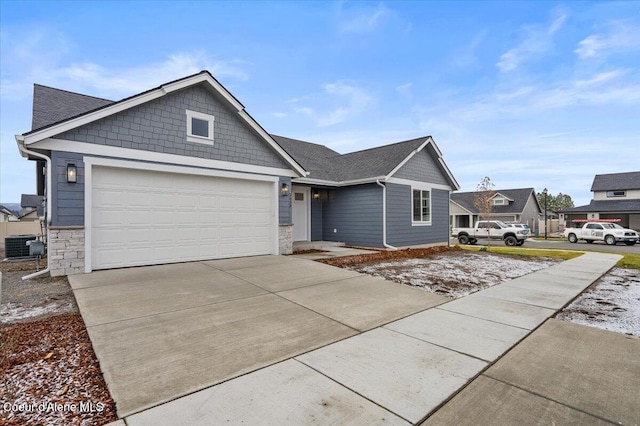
90,162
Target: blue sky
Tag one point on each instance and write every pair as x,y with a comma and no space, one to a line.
531,94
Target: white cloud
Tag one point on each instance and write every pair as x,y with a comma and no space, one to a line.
356,98
361,22
466,57
600,78
278,114
538,40
45,56
137,79
616,37
405,89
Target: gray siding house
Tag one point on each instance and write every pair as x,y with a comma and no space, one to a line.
616,196
182,172
508,205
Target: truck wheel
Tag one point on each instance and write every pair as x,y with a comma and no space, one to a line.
510,241
610,240
589,241
463,239
572,238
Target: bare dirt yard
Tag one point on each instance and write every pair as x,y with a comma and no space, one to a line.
49,374
454,273
611,303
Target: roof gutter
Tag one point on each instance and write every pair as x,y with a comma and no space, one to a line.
384,216
26,153
312,181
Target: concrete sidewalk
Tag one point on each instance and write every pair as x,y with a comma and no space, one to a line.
401,372
563,373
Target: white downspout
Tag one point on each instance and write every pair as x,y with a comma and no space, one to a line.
22,147
384,216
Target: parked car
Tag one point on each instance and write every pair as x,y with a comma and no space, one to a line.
492,229
610,233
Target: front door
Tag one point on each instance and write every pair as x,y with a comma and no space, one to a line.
300,211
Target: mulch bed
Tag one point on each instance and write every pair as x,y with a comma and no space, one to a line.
380,256
49,373
309,251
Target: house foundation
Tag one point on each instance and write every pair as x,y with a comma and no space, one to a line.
66,251
285,239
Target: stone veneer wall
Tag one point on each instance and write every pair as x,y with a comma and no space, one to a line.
66,251
285,239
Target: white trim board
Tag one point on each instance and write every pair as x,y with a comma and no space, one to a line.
428,141
158,157
90,162
417,183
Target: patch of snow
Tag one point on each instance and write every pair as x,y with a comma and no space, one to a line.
613,303
455,274
13,312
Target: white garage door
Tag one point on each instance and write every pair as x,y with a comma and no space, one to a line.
144,217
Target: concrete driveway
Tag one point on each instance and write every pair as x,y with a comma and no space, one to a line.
162,332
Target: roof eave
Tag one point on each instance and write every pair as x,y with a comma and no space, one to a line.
429,140
204,76
339,183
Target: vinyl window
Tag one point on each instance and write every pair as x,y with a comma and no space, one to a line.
421,207
200,127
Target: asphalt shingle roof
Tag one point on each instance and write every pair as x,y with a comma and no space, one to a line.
519,197
326,164
616,182
604,206
29,200
375,162
314,158
53,105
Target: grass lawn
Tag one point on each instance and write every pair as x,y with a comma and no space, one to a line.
553,254
629,260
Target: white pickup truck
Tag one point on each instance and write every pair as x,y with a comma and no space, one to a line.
610,233
492,229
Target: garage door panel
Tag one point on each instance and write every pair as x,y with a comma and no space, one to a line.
143,217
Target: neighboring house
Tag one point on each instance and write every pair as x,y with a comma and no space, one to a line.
7,215
182,173
32,206
29,216
615,196
508,205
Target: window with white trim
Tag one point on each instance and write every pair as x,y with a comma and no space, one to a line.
498,202
616,193
200,127
421,207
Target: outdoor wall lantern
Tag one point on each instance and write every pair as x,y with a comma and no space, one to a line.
285,190
72,173
316,195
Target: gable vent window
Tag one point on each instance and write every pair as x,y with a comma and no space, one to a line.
616,193
200,127
498,202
